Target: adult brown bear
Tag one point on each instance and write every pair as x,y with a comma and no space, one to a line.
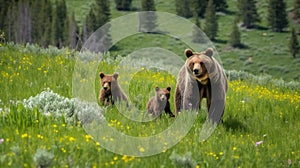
201,77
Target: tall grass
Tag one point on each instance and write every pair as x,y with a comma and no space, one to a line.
260,127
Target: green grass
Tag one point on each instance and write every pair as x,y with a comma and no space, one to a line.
253,113
269,50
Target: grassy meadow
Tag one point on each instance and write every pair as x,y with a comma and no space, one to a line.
260,126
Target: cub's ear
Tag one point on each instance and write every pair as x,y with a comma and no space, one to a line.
169,88
156,88
116,75
209,52
101,74
188,52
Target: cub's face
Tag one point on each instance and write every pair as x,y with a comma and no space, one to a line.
163,94
106,81
196,63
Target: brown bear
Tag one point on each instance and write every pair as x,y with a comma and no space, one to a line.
160,102
111,91
201,77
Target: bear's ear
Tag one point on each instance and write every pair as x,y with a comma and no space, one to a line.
188,52
169,88
209,52
116,75
101,74
156,88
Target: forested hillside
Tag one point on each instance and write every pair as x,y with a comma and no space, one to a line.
248,34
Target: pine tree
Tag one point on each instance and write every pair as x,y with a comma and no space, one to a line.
221,5
277,16
23,31
54,30
248,12
235,36
148,18
294,44
296,10
37,20
183,8
97,21
103,17
197,34
46,38
5,5
11,24
123,4
211,23
59,24
42,17
91,22
73,32
102,12
199,7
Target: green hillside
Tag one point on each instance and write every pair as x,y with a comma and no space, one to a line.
268,50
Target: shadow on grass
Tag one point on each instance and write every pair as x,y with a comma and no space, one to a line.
242,46
234,125
220,41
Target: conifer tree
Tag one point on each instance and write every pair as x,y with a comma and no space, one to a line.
211,23
48,8
148,18
183,8
277,16
10,24
37,20
5,5
42,17
197,34
123,4
73,32
296,10
294,44
103,17
23,23
198,6
91,22
248,12
235,36
59,23
97,22
102,12
221,5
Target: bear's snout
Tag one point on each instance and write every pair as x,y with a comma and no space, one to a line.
105,86
196,71
163,97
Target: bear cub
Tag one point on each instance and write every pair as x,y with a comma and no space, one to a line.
160,102
110,91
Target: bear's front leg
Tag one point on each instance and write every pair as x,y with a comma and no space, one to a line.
102,98
168,110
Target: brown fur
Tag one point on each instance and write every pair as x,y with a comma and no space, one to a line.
198,76
160,102
111,90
